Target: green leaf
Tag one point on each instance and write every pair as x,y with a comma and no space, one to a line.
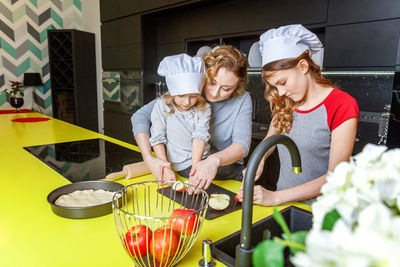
268,254
299,239
281,221
330,220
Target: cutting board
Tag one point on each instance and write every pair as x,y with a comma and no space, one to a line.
190,201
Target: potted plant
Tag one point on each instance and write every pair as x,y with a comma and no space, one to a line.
16,94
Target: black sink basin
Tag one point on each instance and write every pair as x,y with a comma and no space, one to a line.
296,218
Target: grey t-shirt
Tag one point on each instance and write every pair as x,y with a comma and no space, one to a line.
311,131
230,122
177,130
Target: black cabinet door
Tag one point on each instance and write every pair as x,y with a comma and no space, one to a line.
283,12
129,29
110,58
350,11
109,34
202,21
108,10
152,4
240,17
130,56
128,7
370,44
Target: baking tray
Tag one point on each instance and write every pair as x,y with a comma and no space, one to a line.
188,200
82,212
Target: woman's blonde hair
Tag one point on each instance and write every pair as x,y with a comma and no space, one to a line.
200,104
230,58
283,106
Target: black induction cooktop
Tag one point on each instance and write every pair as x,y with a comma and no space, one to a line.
85,160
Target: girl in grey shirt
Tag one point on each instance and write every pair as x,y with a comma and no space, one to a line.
180,119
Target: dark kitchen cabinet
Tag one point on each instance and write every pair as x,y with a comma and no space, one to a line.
169,29
202,21
352,11
283,12
122,43
72,62
365,45
128,7
152,4
250,17
110,34
130,56
108,10
129,30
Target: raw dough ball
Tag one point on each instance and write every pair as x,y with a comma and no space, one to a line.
219,201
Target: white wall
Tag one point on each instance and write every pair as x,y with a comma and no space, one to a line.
91,23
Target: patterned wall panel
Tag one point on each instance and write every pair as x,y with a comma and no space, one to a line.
23,42
111,86
124,87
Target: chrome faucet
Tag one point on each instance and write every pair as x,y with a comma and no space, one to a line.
244,250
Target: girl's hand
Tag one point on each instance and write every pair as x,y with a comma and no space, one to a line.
156,166
261,196
203,173
168,174
259,171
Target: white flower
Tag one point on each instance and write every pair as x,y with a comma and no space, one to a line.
370,153
366,193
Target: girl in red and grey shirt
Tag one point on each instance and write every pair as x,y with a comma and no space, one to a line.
319,118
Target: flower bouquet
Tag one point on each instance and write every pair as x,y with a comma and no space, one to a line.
356,220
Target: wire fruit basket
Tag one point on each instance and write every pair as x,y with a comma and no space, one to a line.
156,230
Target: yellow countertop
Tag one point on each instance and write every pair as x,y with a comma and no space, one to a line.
32,235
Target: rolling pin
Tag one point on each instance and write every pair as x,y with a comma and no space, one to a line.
130,171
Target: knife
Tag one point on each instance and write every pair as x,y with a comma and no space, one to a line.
236,200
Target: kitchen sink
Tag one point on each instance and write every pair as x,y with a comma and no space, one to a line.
296,218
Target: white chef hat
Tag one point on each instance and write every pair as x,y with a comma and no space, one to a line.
183,74
288,42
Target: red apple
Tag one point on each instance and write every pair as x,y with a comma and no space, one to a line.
164,244
186,224
137,240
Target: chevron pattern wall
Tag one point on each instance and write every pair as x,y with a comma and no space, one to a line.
23,42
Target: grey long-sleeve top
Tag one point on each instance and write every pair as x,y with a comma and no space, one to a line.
230,122
177,130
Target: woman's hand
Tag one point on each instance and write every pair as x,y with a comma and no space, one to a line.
261,196
203,173
156,167
259,171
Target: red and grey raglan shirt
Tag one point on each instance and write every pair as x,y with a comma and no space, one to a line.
312,131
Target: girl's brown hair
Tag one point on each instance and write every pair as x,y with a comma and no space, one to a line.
283,106
232,59
169,100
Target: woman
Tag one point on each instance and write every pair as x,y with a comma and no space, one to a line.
230,126
320,119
